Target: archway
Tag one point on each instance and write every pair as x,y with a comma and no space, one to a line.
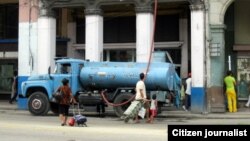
237,46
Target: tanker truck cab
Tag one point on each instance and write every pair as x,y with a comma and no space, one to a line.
69,69
38,89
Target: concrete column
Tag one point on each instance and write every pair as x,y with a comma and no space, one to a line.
46,40
217,55
198,58
215,95
27,39
71,30
183,33
94,35
144,33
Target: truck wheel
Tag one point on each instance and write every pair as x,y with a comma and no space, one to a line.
54,107
38,103
122,97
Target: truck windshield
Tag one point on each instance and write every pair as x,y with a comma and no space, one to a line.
62,68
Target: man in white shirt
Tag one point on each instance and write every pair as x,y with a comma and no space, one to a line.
188,93
141,95
141,88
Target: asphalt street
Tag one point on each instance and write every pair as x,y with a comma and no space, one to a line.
22,126
16,124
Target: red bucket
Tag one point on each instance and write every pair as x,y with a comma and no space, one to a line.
71,121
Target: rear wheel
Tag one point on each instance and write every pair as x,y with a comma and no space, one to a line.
38,103
121,98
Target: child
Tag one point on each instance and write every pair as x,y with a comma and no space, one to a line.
153,108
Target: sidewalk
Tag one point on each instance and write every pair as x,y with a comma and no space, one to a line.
243,113
5,105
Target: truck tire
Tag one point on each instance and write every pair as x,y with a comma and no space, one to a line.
38,103
122,97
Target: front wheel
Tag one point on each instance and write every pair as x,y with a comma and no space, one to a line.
38,103
121,98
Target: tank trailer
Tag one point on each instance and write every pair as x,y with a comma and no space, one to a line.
89,79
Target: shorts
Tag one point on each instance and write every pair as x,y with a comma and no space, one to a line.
153,112
64,109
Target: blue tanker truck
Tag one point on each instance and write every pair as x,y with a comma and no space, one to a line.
88,79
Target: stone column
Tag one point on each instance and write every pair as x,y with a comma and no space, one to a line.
46,39
198,58
183,33
217,55
144,32
94,34
27,40
216,97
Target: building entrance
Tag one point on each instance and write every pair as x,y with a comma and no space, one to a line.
7,68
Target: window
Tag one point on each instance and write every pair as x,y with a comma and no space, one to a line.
63,68
119,55
167,28
243,77
9,21
119,29
7,68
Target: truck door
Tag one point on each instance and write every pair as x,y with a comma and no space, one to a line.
63,70
75,78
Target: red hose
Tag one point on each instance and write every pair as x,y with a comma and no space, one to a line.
152,42
118,104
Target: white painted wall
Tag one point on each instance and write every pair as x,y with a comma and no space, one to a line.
27,49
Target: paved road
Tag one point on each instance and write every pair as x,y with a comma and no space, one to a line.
21,126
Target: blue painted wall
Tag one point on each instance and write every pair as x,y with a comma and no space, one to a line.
198,99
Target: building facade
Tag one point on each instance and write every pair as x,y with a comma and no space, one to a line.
205,37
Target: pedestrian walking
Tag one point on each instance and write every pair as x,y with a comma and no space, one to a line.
14,92
100,108
141,96
187,100
230,84
67,99
248,101
153,108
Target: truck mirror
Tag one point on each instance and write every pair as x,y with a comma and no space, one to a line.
49,70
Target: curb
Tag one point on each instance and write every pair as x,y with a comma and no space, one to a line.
226,115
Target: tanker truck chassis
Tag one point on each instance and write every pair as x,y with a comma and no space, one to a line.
94,82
